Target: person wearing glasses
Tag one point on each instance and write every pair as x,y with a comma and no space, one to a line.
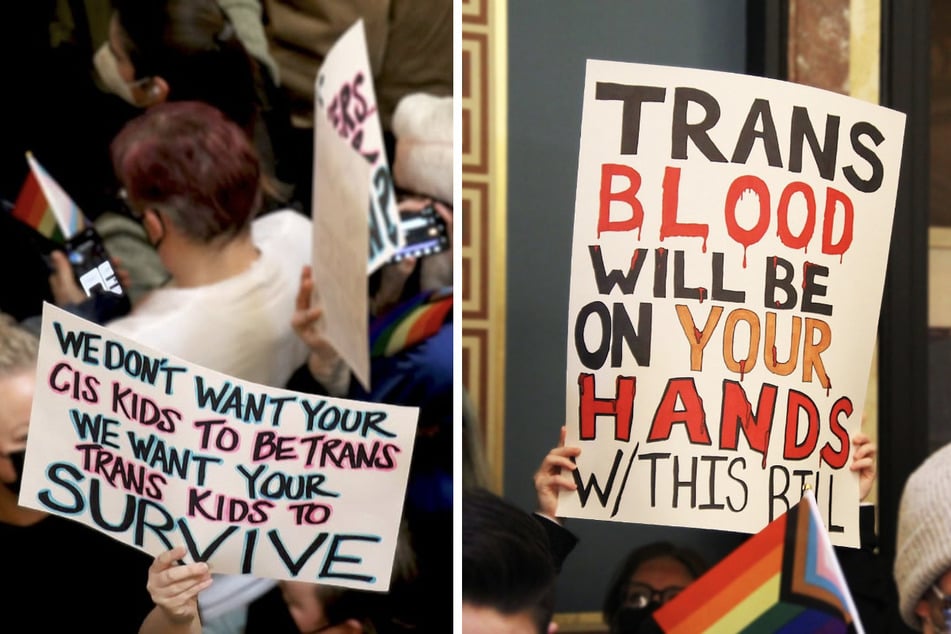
923,546
654,574
651,576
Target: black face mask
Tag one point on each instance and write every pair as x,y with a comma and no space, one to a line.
629,620
16,457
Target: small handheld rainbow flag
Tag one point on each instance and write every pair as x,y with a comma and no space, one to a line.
43,205
786,578
409,323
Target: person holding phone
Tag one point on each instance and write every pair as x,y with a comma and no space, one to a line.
193,179
102,294
416,370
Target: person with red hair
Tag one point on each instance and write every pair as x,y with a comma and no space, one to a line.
192,178
194,181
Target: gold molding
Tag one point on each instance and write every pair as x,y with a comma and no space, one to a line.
484,103
865,35
586,622
498,127
865,29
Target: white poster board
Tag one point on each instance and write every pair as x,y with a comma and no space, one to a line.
344,94
730,241
341,182
157,452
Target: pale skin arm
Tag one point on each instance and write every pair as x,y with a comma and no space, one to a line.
863,461
323,362
174,589
63,283
392,280
445,212
553,476
436,269
393,277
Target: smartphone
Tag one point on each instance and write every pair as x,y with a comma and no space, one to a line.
424,232
91,264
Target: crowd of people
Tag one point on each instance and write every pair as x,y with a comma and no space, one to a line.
178,141
185,131
521,598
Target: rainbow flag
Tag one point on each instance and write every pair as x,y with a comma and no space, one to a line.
786,578
409,323
43,205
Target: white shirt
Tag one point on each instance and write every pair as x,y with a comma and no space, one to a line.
240,326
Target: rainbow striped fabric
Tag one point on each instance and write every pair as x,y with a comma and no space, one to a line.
411,322
43,205
786,578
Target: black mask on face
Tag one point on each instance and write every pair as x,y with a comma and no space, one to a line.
16,457
629,620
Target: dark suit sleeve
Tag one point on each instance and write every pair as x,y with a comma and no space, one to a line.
865,571
561,541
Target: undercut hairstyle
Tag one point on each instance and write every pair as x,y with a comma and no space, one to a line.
187,160
506,559
18,347
695,564
195,48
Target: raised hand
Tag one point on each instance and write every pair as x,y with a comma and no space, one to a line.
174,587
863,461
306,317
324,363
552,476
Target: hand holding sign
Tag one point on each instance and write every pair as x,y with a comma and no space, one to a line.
730,241
174,588
327,367
863,461
255,480
551,478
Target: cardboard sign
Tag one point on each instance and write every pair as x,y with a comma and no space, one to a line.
730,241
157,452
339,230
345,96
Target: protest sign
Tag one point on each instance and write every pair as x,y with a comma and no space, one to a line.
157,452
729,249
341,183
344,94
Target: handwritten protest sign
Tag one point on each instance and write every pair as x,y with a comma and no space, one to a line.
157,452
341,181
345,95
730,241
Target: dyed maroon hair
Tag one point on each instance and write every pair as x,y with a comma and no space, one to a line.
187,160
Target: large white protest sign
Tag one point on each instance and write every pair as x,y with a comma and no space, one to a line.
730,241
341,182
344,94
157,452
